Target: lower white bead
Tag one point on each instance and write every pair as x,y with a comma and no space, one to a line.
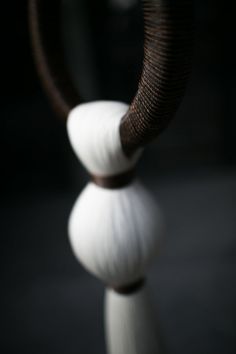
115,233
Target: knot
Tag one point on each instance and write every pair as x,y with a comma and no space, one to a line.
94,133
115,182
130,288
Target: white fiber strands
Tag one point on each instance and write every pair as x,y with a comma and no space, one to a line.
114,233
130,323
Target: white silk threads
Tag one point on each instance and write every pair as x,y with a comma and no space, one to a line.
114,233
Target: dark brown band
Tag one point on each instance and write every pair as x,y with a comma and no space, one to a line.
116,181
131,288
167,62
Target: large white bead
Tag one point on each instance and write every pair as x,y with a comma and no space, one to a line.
115,233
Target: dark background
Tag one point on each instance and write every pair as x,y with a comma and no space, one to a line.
49,304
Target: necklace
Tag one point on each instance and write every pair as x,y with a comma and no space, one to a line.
115,226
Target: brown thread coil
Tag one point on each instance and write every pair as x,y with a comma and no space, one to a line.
167,63
45,31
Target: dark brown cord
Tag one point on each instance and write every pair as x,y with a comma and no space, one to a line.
45,30
167,59
116,181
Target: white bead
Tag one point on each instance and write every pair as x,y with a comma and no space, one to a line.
115,233
94,133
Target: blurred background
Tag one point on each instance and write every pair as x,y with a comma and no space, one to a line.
49,304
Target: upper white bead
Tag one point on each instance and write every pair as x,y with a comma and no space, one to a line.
94,133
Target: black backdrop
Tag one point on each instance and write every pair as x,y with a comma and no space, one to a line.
49,304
